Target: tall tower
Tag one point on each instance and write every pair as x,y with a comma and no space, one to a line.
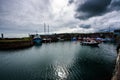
44,28
48,29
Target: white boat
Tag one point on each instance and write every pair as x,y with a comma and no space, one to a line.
47,40
89,42
60,39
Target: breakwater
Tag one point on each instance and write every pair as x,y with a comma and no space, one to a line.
15,43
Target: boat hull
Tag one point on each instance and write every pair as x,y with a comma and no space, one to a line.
37,41
89,44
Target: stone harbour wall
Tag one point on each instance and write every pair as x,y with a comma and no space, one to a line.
116,75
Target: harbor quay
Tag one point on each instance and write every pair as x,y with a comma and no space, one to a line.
16,43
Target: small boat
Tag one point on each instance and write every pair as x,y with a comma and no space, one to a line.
47,40
89,42
60,39
108,40
37,39
74,39
79,39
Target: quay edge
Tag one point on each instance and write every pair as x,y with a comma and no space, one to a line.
15,43
116,74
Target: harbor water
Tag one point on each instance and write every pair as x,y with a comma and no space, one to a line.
59,61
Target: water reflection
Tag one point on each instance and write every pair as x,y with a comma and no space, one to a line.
59,61
61,73
37,46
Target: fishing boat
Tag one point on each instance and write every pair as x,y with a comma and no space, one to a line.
89,42
37,39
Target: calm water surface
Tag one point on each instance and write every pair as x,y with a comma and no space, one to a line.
58,61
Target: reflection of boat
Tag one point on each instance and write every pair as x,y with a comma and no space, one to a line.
37,39
89,42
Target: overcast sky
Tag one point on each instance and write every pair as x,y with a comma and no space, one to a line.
28,16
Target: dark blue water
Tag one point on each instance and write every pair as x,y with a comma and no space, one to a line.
58,61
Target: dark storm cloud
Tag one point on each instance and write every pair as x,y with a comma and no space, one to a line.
115,4
85,26
91,8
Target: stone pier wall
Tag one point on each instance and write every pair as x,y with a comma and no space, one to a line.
116,75
15,45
